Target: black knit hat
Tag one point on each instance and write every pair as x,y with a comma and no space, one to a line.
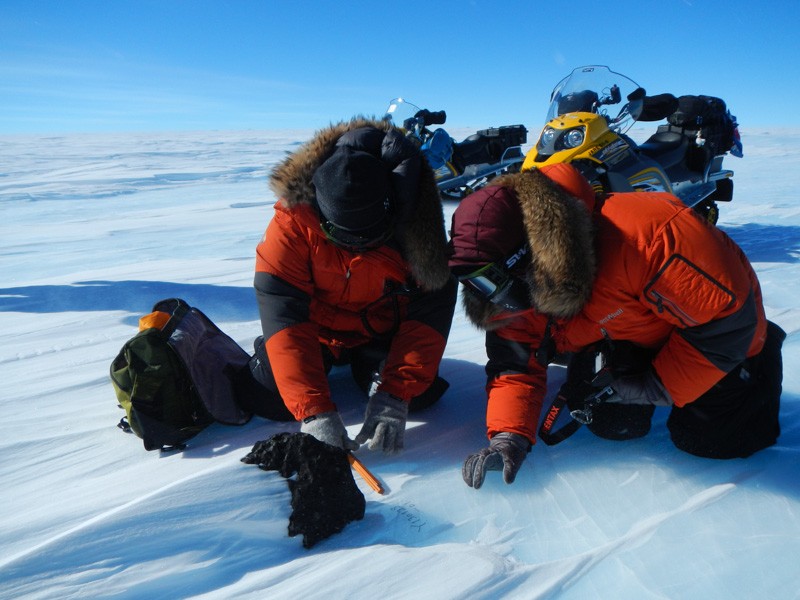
352,189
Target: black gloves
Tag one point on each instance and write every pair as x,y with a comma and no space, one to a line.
506,452
325,497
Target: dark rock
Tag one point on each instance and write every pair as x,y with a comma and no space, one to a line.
325,497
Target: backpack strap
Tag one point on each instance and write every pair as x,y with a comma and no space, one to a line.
126,427
177,310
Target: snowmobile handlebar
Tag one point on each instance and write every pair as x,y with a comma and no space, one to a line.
437,117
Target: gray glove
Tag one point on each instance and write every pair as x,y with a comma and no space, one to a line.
641,388
384,422
506,452
328,427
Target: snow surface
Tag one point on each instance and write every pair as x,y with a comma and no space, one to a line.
97,228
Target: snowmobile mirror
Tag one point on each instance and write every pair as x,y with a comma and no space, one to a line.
616,96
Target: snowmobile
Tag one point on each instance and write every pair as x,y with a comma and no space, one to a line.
684,156
460,167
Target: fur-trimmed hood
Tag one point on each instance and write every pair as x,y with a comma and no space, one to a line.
417,206
554,205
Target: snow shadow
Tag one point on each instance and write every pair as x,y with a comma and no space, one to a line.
184,554
772,469
465,397
219,302
767,243
236,524
439,438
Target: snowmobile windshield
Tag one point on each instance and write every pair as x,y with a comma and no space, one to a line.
594,89
402,114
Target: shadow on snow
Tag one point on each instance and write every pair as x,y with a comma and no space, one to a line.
219,302
767,243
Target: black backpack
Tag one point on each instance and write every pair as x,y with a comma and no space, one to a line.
176,376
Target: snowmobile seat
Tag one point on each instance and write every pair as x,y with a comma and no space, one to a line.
472,150
667,147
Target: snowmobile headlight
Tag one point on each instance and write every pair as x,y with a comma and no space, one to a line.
548,136
574,137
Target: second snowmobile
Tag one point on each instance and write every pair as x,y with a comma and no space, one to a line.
460,167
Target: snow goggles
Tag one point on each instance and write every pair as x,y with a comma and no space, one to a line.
495,284
352,241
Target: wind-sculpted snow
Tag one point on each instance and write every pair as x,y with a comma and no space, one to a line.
104,166
97,228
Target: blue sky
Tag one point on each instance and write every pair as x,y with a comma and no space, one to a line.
163,65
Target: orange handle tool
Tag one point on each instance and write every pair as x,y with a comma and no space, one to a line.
364,472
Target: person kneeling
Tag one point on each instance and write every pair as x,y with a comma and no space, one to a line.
671,301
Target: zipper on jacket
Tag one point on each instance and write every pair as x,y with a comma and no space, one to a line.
663,303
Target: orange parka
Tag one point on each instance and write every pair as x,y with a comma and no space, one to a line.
651,272
313,292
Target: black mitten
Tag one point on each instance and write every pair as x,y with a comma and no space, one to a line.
325,497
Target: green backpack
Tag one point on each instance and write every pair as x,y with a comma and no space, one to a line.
153,378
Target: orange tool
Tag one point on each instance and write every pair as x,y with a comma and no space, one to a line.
364,472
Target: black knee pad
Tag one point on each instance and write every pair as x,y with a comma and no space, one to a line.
255,388
429,396
739,415
614,421
366,364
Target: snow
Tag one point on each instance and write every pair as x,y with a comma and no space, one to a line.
97,228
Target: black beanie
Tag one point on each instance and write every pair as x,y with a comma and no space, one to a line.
352,188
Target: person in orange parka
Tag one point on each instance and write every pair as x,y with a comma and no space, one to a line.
670,301
352,269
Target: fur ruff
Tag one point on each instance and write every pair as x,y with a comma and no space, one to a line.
421,233
560,233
